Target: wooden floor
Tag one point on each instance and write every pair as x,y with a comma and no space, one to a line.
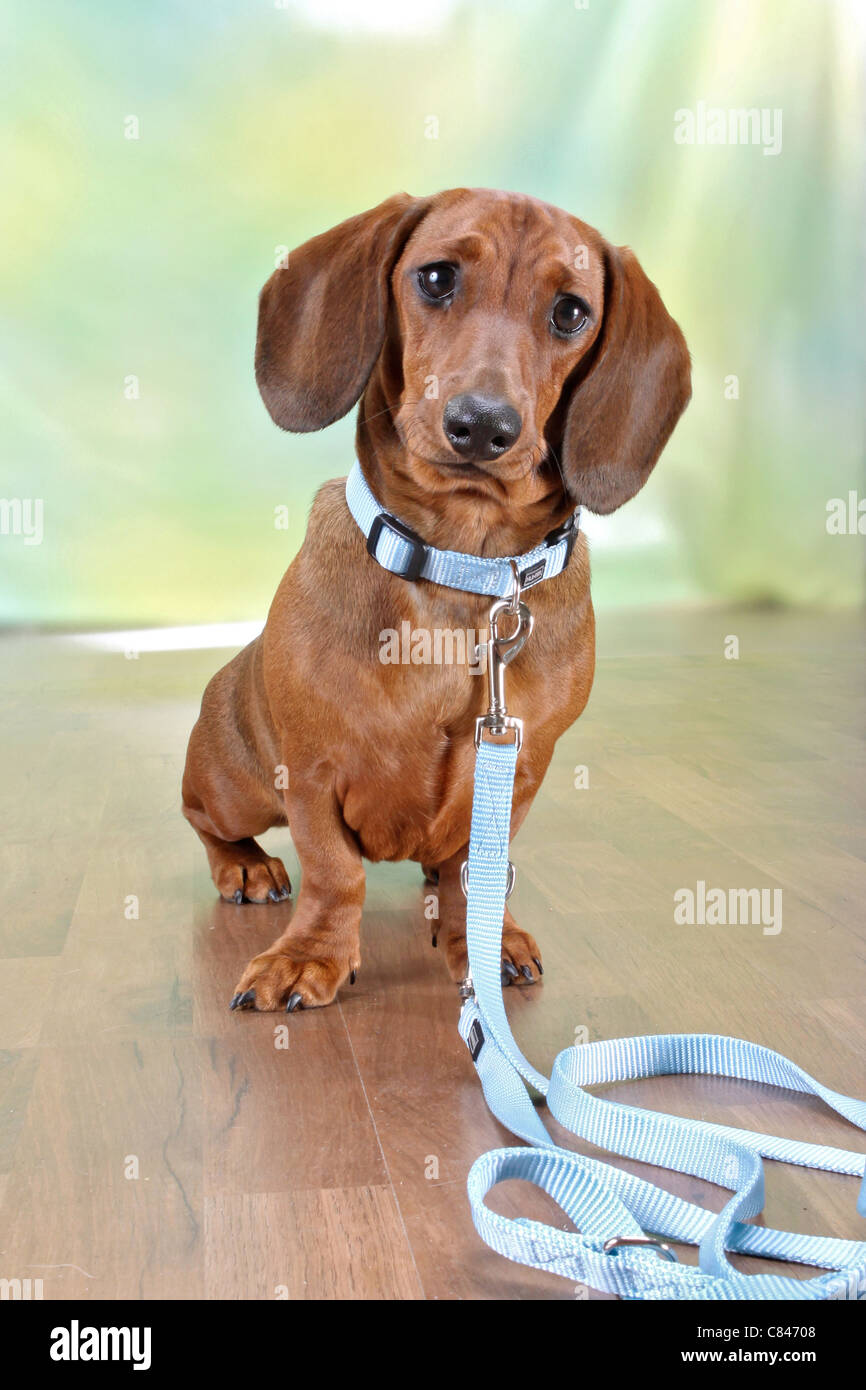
152,1144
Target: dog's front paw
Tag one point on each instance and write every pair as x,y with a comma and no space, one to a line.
521,956
245,874
277,980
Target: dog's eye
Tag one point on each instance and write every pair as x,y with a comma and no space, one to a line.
437,282
569,315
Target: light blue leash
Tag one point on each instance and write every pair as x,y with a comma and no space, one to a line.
613,1211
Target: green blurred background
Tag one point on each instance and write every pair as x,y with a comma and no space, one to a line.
262,123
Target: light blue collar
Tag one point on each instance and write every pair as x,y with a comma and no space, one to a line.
401,551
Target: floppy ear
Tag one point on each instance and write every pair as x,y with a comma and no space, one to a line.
322,318
637,384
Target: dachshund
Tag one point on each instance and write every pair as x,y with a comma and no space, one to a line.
510,365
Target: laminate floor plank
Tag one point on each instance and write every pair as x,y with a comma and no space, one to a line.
153,1144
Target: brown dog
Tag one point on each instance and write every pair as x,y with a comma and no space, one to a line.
560,376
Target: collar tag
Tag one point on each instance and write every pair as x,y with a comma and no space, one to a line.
531,576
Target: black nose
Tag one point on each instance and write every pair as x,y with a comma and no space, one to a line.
480,427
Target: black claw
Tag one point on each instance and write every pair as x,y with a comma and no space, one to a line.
527,972
294,1003
273,895
505,977
538,964
353,975
235,1002
509,969
433,940
285,891
241,1001
239,895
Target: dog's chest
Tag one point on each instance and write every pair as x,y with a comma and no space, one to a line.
408,780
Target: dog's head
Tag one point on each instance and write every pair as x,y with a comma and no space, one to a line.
507,338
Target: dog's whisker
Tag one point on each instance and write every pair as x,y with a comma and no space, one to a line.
388,410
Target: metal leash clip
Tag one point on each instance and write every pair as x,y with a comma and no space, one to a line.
500,650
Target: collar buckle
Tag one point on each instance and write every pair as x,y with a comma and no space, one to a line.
567,532
414,563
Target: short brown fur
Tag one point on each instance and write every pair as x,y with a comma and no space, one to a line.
380,757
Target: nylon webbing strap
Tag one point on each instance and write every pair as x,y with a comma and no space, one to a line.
601,1200
400,551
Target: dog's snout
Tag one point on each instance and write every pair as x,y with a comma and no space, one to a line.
480,427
